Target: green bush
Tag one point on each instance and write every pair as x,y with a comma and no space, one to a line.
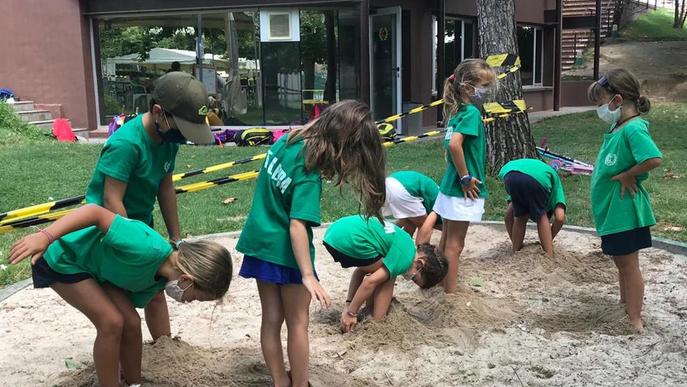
13,130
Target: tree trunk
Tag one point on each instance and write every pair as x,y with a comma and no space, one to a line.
684,14
507,138
676,19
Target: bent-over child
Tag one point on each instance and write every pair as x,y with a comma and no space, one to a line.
106,266
534,191
380,252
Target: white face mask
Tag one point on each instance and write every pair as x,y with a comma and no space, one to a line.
606,114
175,291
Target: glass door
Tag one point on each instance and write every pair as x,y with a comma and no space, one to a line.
385,63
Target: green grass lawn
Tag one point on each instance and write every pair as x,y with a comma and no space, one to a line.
36,171
654,25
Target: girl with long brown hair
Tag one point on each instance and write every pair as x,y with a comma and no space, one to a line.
342,145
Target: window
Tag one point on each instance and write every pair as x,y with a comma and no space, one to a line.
279,26
459,44
309,57
530,45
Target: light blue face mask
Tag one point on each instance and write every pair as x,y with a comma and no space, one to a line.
175,291
607,115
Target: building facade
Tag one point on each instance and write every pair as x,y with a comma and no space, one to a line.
266,63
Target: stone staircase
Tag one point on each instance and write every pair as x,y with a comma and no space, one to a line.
576,41
42,115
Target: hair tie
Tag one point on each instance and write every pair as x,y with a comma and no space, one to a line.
452,78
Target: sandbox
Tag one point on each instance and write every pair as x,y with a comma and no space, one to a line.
518,319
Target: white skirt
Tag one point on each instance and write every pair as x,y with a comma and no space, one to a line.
400,203
459,209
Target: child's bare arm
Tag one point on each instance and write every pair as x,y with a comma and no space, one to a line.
356,280
301,250
455,146
558,220
628,179
365,290
424,234
35,244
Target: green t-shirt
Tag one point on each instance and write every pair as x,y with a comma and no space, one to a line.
128,257
285,190
546,176
621,150
419,186
363,238
131,156
468,121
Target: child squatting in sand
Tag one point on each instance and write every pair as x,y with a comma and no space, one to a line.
380,252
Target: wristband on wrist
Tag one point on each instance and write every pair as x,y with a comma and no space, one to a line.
351,314
465,180
48,235
349,301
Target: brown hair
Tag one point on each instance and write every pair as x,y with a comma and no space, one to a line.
619,81
344,144
468,72
208,263
436,266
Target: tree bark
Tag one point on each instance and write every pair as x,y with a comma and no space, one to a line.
507,138
676,19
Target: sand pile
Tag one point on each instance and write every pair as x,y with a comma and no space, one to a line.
518,319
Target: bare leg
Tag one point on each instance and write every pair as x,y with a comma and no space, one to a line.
90,299
455,241
270,332
132,339
381,299
621,281
634,287
519,230
508,219
545,237
157,317
296,305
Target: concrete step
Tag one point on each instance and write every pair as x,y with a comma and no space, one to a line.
43,124
35,115
22,106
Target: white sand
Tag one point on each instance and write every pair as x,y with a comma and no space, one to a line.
533,321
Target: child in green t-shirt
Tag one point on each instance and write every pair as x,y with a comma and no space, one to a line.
410,197
106,265
463,190
136,165
342,145
620,203
535,192
380,252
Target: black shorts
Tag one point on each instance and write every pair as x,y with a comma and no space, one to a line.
347,260
527,196
626,242
44,276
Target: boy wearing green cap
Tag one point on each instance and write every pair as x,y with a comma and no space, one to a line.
136,165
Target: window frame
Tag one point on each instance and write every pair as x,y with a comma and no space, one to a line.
536,29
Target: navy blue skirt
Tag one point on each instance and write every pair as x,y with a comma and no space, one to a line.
347,261
44,276
528,197
266,271
626,242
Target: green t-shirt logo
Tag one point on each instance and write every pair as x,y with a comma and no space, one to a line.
276,171
168,166
611,159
